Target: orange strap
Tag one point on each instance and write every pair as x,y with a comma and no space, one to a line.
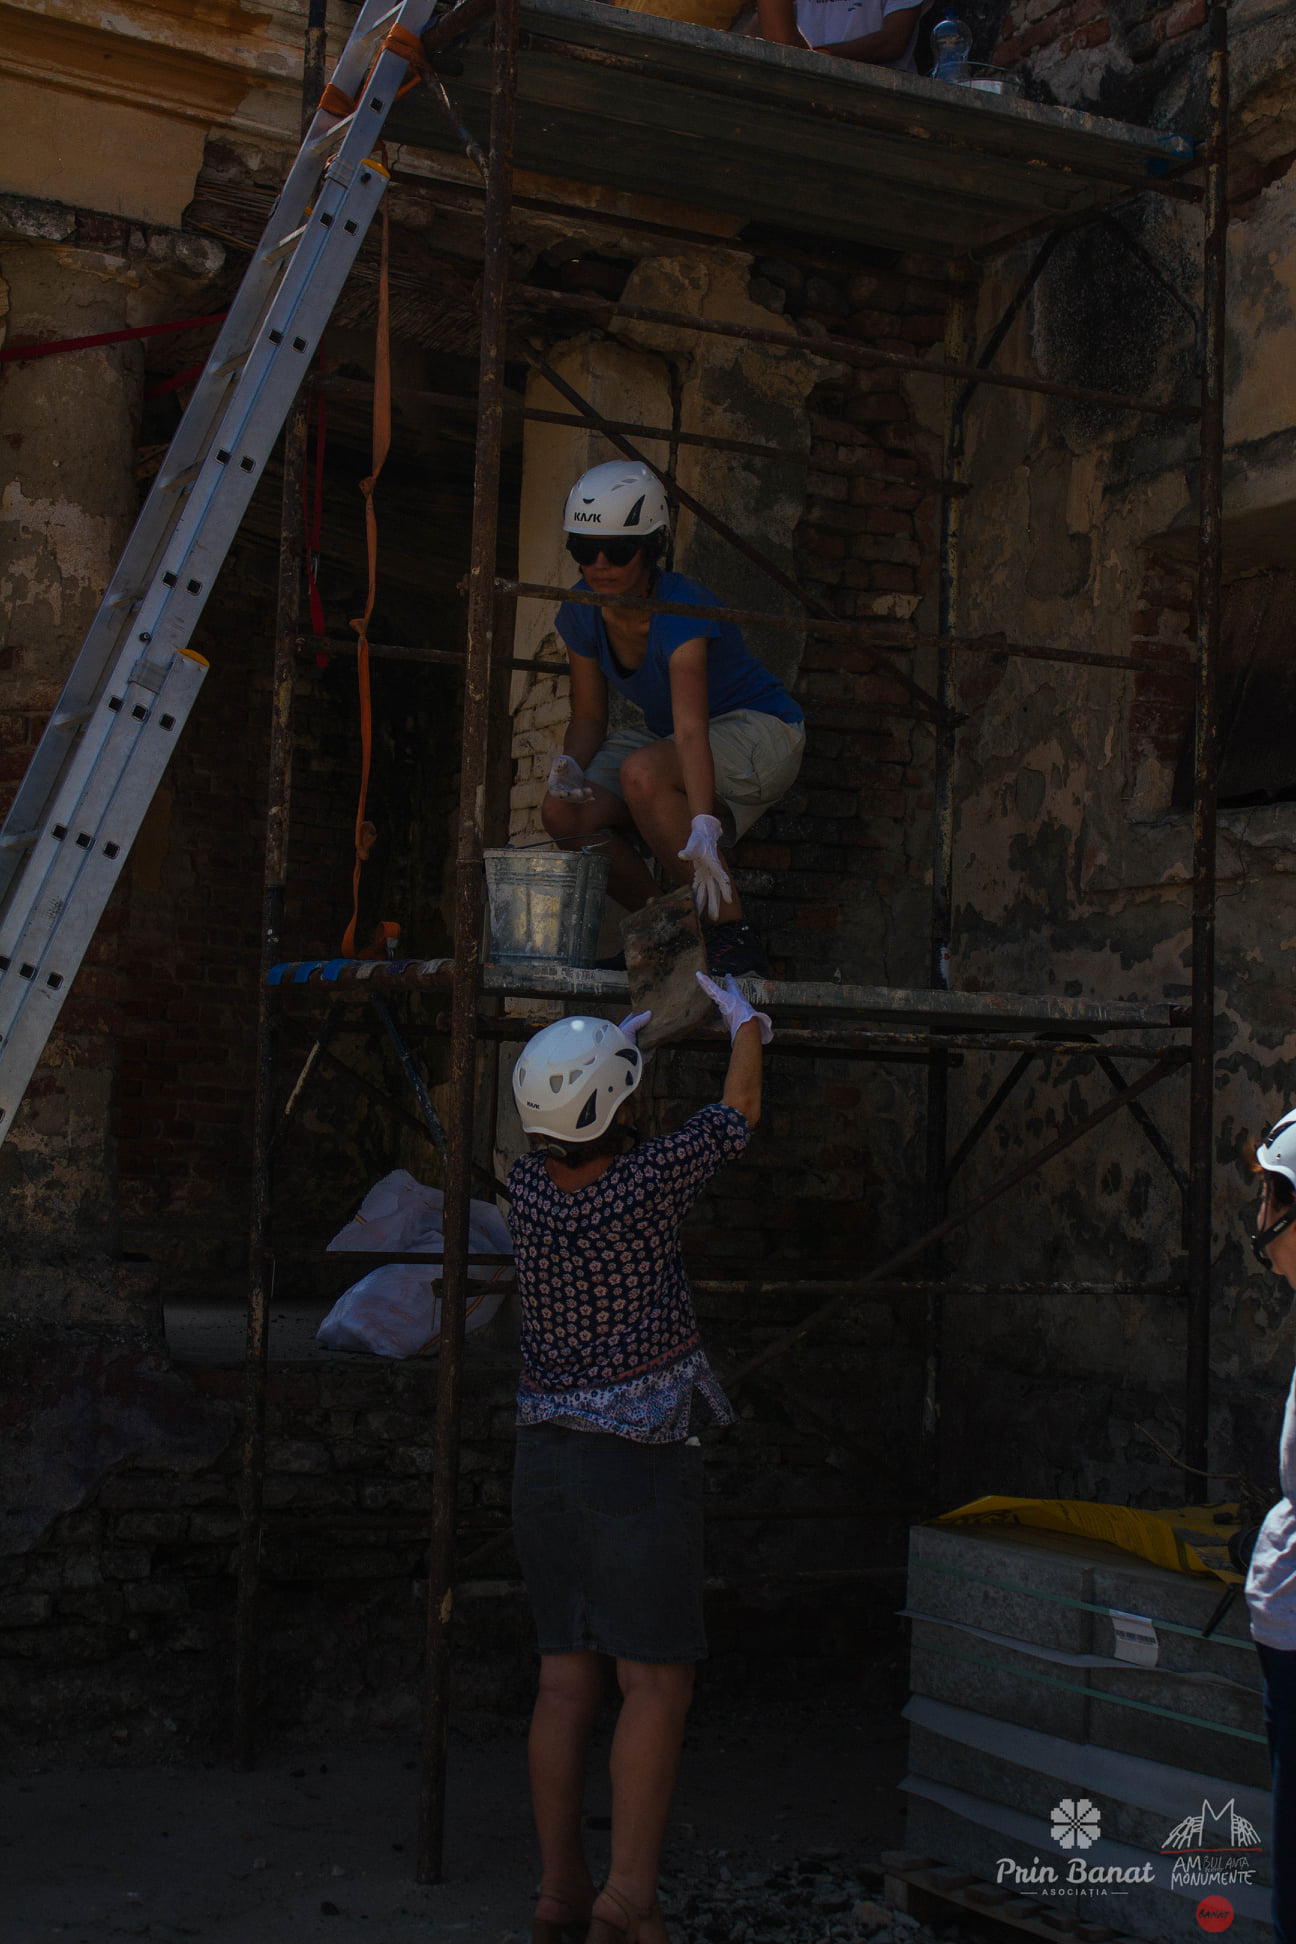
399,40
364,831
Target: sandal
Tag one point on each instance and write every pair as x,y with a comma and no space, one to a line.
603,1932
568,1930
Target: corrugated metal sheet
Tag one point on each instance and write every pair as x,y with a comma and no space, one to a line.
733,124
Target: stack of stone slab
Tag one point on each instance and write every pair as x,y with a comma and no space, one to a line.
1122,1794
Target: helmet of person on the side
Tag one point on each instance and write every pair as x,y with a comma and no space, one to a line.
573,1077
1274,1156
1276,1149
621,498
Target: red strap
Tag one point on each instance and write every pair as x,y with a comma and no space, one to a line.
165,385
364,831
56,347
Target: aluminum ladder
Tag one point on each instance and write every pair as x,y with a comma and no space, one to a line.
102,755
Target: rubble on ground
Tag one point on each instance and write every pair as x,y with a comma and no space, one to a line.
818,1898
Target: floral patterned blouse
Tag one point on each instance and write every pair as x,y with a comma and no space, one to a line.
609,1336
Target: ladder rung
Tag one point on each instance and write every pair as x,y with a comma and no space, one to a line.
286,244
132,599
232,363
71,718
19,840
383,20
176,482
331,135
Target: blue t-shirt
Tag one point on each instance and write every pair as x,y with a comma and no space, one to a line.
735,679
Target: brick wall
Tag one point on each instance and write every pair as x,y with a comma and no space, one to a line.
1059,28
1164,629
116,1630
834,874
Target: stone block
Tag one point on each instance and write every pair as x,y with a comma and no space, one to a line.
156,1596
25,1609
126,1562
154,1528
393,1427
79,1529
105,1604
297,1455
213,1528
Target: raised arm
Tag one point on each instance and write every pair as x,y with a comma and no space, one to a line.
749,1031
742,1087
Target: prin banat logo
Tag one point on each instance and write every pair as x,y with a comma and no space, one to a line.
1212,1846
1075,1824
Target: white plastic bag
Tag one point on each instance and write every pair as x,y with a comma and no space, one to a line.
394,1311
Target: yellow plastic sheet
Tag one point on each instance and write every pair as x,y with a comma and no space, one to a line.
1186,1539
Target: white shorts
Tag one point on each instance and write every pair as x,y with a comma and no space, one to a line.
756,758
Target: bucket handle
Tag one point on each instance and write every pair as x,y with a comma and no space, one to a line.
594,841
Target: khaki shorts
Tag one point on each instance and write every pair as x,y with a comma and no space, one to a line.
756,758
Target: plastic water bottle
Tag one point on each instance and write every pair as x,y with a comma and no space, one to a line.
951,41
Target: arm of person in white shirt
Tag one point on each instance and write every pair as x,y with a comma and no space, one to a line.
777,20
887,44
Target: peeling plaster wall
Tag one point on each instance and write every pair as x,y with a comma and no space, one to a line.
66,506
1072,868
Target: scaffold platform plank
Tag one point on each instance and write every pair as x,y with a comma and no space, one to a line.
766,133
989,1012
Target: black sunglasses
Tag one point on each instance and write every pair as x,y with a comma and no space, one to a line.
1262,1238
617,550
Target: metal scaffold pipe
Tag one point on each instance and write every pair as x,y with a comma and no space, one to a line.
292,550
468,898
1206,750
960,318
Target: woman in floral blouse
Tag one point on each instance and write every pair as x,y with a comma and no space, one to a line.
607,1497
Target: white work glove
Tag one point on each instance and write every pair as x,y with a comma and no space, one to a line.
711,884
633,1022
733,1008
567,781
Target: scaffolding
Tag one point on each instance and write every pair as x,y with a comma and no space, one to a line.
968,176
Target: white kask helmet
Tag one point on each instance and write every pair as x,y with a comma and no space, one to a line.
621,497
572,1077
1276,1152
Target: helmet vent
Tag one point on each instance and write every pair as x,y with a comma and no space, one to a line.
555,1083
588,1111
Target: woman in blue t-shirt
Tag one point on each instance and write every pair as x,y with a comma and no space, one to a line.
721,740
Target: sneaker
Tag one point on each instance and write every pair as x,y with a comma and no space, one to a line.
735,947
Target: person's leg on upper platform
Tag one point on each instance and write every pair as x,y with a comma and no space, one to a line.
630,881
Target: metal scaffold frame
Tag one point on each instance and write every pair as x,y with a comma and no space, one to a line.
934,1029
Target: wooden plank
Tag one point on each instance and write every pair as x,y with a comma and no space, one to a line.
912,102
929,1891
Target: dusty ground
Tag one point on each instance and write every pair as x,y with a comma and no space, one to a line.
319,1845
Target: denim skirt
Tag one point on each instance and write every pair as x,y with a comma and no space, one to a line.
609,1535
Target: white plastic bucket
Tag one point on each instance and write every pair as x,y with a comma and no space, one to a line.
545,904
